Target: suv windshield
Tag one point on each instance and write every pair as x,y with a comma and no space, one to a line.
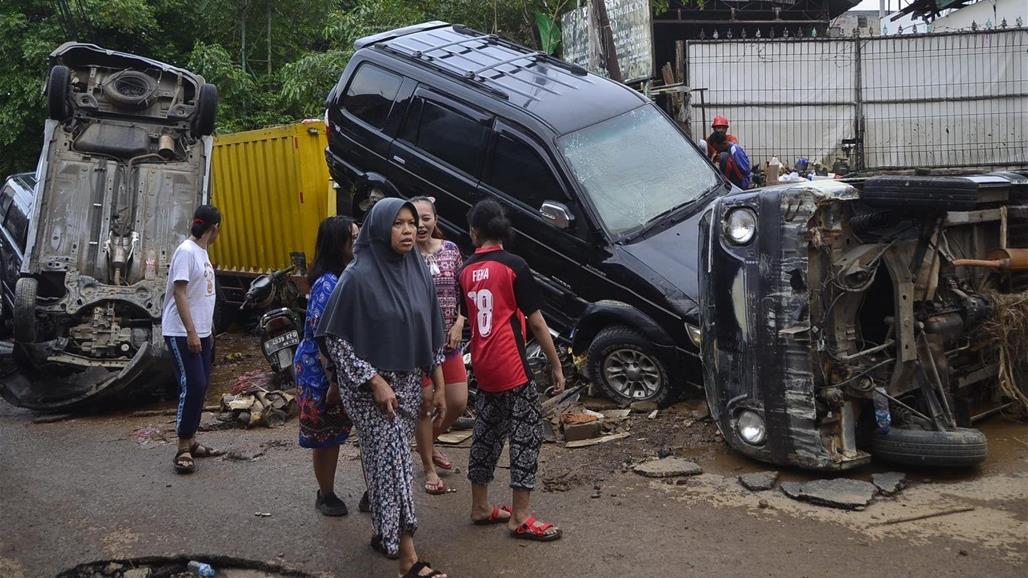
635,167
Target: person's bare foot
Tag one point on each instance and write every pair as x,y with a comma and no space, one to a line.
493,515
532,529
420,569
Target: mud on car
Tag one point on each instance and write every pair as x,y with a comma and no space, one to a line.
842,322
125,161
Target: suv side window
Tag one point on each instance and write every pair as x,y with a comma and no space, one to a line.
6,198
371,93
17,225
451,137
517,170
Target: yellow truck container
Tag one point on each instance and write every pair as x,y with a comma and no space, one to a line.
273,189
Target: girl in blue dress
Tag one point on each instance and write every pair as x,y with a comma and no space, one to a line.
324,424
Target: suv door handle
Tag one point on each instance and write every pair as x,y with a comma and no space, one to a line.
399,159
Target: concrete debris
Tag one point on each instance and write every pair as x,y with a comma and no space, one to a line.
763,504
112,569
840,493
267,408
890,483
581,431
643,406
668,468
137,573
653,415
616,415
760,481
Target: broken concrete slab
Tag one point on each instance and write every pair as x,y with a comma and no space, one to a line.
759,481
137,573
581,431
792,489
890,483
643,406
840,493
668,468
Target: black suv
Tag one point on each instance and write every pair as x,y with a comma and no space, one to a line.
16,199
604,191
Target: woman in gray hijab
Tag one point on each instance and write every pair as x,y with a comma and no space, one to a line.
382,330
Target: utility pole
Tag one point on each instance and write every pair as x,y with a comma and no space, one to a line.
242,34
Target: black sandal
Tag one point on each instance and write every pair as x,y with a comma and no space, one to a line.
418,567
184,463
378,546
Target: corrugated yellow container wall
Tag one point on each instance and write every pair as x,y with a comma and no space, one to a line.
273,189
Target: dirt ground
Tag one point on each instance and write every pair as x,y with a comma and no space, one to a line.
98,488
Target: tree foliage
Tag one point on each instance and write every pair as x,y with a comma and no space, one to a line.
273,62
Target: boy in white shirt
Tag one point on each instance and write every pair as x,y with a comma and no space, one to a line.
187,325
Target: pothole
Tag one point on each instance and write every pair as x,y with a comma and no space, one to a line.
178,567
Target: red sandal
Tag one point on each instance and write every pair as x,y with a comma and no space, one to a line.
530,531
494,517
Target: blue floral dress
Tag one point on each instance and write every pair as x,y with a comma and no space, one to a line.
321,426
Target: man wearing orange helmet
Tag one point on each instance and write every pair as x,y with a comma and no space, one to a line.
720,125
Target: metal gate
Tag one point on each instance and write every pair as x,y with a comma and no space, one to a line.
899,102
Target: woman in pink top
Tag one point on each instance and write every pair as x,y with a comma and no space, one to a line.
444,261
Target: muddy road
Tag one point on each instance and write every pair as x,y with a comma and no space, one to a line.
98,488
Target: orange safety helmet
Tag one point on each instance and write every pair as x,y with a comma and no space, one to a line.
719,120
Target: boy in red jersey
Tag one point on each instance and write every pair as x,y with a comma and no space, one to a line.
499,295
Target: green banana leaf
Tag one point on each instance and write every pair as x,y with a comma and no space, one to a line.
549,32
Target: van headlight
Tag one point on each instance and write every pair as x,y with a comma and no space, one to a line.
740,225
694,334
751,427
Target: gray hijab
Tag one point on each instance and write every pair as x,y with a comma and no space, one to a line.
385,303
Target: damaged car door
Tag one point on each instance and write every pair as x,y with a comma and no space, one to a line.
125,161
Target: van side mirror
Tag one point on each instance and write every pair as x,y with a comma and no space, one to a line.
558,214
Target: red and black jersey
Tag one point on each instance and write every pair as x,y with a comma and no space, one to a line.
499,292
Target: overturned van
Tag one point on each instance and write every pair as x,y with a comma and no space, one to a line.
842,322
125,161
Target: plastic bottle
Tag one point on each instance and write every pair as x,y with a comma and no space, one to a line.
882,416
201,569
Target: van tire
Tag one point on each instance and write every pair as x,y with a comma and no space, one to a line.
206,110
961,448
620,345
25,310
57,89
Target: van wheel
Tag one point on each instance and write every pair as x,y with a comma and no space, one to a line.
25,310
624,364
57,89
960,448
206,110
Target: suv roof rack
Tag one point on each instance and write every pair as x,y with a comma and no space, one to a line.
474,43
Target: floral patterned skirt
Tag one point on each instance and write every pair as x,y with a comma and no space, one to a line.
321,426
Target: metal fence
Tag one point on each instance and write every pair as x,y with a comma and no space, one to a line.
935,101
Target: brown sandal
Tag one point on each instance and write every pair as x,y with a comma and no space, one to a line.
184,463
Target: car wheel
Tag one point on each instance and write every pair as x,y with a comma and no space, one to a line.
25,310
206,110
57,89
362,202
960,448
625,365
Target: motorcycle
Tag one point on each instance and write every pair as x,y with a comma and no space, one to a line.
279,328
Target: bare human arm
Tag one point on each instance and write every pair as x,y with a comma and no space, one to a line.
541,331
182,305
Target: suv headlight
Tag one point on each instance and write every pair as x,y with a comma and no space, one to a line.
751,427
740,225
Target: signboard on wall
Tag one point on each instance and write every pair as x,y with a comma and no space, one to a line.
631,23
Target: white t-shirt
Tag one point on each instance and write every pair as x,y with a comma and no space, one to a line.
191,264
